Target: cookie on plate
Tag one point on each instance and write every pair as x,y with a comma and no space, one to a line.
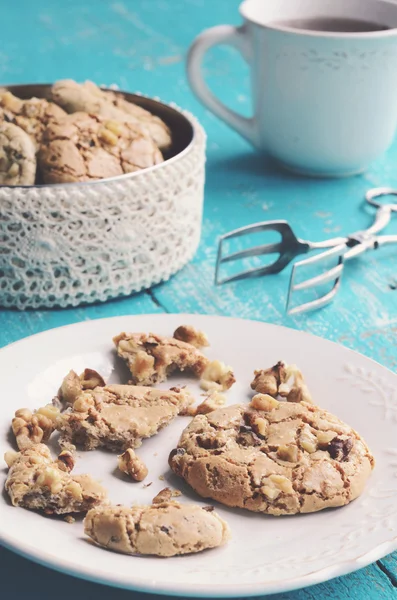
166,528
152,358
17,156
32,115
118,417
82,147
88,97
37,482
273,457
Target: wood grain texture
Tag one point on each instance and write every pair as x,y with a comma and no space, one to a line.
141,45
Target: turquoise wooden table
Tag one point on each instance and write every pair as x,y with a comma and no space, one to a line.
141,45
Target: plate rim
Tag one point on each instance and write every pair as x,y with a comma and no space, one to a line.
202,590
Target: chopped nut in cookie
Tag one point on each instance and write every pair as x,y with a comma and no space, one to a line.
36,481
32,428
190,335
212,402
217,376
152,358
66,461
166,528
90,379
282,380
130,464
264,402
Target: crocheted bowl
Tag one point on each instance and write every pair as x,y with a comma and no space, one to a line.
75,243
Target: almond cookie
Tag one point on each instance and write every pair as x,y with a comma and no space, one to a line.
37,482
31,115
17,156
88,97
166,528
118,417
273,457
152,358
82,147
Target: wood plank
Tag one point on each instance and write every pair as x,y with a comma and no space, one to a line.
141,46
15,325
35,581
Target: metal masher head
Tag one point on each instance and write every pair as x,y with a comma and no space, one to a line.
287,249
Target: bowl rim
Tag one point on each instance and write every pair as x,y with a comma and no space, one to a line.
118,178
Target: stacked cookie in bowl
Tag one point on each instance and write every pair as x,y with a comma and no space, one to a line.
101,193
81,133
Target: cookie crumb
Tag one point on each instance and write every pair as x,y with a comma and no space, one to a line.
148,484
189,411
161,477
164,495
176,493
69,519
217,377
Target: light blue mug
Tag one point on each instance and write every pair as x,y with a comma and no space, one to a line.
324,102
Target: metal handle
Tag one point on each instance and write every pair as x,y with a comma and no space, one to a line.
371,196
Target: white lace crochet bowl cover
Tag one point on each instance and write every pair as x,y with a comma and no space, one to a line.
65,245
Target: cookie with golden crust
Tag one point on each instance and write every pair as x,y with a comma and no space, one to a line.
17,156
32,115
83,147
163,529
273,457
88,97
37,482
118,417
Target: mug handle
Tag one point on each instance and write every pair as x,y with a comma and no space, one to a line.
222,34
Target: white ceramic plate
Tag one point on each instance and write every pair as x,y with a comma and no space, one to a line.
266,554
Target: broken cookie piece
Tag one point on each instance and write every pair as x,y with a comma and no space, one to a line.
130,464
190,335
118,417
282,380
165,528
31,428
273,457
36,481
152,358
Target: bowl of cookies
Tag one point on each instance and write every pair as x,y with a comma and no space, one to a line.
101,193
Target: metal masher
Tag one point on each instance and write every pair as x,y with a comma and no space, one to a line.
290,246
